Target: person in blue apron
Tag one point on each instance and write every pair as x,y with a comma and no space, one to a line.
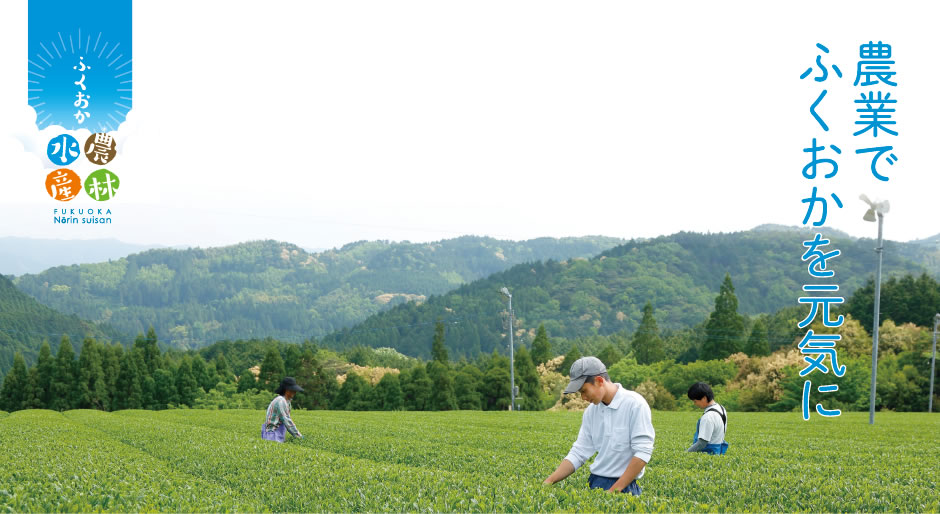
277,419
712,426
617,426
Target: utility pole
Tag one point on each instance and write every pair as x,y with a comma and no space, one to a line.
512,361
933,361
876,210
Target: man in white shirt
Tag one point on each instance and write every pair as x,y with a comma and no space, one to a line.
711,427
617,426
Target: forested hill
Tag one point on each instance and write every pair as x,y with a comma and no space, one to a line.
25,323
272,289
680,274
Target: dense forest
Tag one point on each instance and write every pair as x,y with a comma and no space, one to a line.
25,323
271,289
110,377
752,362
648,308
677,274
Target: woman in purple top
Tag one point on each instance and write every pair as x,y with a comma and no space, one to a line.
277,419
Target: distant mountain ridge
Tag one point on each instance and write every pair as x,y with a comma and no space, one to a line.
931,240
197,296
21,255
679,274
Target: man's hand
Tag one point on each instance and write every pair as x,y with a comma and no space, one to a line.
565,469
634,468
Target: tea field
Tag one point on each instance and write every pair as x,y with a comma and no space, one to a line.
192,460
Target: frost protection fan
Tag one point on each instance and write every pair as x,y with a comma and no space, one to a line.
874,208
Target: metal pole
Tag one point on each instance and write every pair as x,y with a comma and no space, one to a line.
512,362
933,361
874,332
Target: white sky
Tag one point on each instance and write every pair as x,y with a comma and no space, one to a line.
321,123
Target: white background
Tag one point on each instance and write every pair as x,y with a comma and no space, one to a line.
321,123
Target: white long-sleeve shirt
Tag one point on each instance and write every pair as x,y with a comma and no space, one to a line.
616,432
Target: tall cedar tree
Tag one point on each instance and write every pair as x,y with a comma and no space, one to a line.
527,378
541,347
15,385
45,367
204,380
572,355
443,395
147,384
32,395
306,376
92,384
320,387
164,385
150,351
65,383
222,371
129,389
272,370
186,382
610,355
329,386
438,350
148,387
647,345
725,327
758,343
111,363
292,358
495,385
